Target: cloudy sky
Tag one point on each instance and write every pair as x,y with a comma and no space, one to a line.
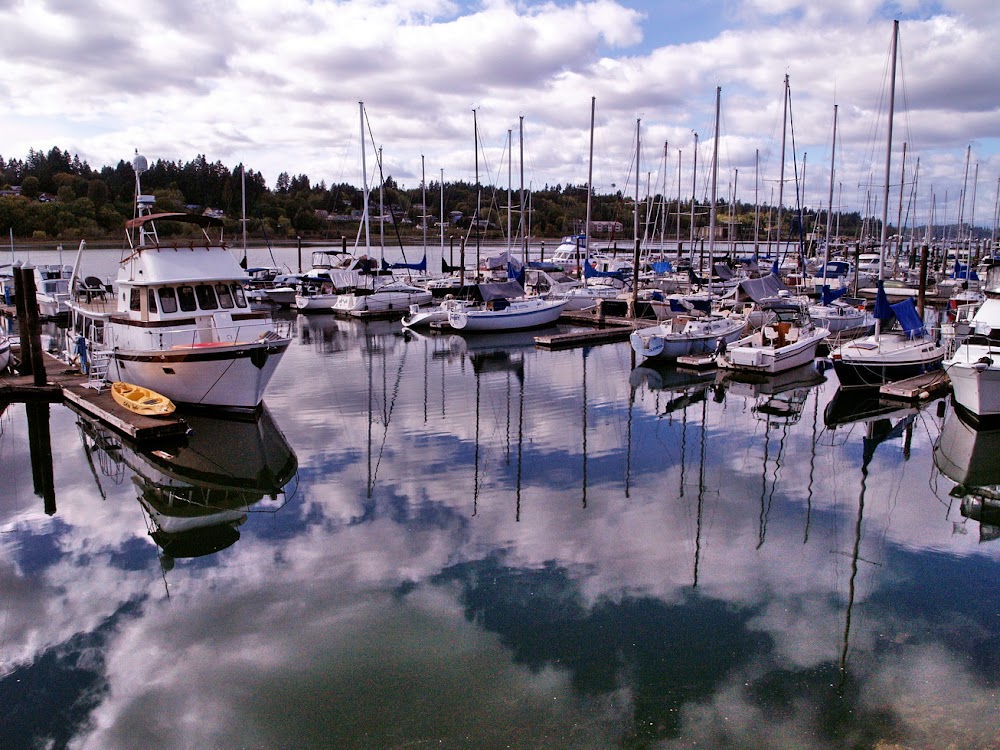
277,86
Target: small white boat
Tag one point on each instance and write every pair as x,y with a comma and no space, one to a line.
686,336
502,314
789,341
423,317
395,295
52,290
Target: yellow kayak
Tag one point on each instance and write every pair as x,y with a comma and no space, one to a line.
141,400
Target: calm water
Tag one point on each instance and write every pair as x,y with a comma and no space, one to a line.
468,542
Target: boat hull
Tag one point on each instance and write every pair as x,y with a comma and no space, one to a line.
519,315
659,342
745,355
224,377
975,380
872,361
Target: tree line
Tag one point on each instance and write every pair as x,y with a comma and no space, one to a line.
60,197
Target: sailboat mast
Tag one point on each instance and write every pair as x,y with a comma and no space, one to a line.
781,177
635,255
423,199
510,187
590,185
694,194
888,168
756,204
715,178
243,194
663,198
888,154
522,229
479,192
829,205
442,215
364,179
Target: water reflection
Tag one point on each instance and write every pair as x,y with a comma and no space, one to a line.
970,457
197,491
497,545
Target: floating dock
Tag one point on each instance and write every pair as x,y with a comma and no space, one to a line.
697,362
602,330
63,384
917,388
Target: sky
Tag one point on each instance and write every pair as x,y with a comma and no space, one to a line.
277,87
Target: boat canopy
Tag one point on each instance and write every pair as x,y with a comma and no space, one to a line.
500,290
764,287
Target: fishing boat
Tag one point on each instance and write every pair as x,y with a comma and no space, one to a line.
890,355
141,400
684,336
789,340
179,322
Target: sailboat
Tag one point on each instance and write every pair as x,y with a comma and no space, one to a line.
842,320
886,356
683,335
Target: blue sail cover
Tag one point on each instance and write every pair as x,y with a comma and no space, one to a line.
663,266
883,310
515,274
829,295
421,266
592,273
908,317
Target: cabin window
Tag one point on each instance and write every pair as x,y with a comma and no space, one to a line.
225,295
151,300
97,335
241,300
185,294
168,299
206,297
134,298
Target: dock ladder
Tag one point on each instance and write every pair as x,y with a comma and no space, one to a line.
97,374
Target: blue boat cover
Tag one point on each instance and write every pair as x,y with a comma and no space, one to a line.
883,310
908,317
829,295
515,274
421,266
592,273
663,266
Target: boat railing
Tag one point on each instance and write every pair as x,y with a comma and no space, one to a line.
215,335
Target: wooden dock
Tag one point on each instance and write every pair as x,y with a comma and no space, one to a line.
917,388
63,384
602,330
697,362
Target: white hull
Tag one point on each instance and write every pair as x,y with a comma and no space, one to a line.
4,353
975,379
224,376
394,299
695,337
424,317
753,353
840,318
519,314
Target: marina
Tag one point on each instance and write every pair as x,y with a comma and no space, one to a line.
470,538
